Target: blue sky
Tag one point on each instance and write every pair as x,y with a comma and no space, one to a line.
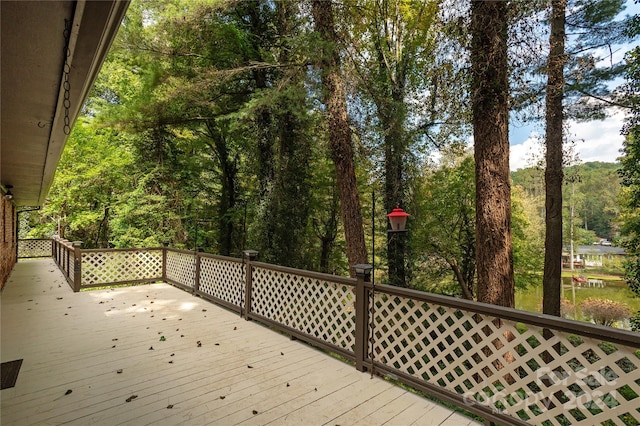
594,141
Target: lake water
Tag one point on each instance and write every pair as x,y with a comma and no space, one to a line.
531,299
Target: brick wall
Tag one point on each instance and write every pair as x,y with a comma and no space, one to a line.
8,239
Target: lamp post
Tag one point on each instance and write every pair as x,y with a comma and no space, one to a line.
398,220
397,225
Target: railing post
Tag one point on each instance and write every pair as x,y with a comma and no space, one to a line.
363,274
165,245
196,284
249,256
68,261
77,266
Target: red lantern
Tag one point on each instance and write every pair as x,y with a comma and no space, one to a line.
398,220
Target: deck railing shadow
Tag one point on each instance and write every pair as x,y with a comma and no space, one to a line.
507,366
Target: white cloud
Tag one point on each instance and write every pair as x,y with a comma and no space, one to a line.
595,141
524,155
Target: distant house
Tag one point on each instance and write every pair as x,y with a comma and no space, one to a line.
594,256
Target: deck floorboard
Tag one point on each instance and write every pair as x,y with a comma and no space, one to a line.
156,355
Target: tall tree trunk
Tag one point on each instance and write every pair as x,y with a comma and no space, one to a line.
340,133
393,120
258,26
553,175
489,94
228,184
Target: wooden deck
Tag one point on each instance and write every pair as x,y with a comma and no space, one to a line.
154,354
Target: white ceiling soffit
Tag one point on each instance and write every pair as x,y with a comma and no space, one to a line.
32,104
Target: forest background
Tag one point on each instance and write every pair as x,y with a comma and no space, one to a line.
207,128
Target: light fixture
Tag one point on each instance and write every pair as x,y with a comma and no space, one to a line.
362,270
398,220
8,195
251,254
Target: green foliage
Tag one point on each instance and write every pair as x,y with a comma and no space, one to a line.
591,189
528,239
444,230
90,176
630,173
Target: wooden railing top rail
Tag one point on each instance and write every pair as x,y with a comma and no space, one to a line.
114,250
207,255
315,275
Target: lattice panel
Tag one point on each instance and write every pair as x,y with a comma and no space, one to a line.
72,265
34,248
120,266
562,379
66,259
181,267
223,279
318,308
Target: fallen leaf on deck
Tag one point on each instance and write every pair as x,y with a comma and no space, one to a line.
162,338
68,392
170,406
235,328
59,298
248,366
199,343
119,371
222,397
170,362
151,348
255,412
131,398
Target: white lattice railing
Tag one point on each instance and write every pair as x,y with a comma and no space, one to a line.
319,306
34,248
63,253
527,368
116,266
509,366
181,268
223,279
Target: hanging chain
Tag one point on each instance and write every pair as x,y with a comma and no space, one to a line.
66,71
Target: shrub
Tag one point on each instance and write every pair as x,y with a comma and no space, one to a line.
605,311
567,309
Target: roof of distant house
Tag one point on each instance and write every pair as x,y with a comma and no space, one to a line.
595,250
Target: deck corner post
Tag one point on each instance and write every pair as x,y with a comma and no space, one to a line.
196,283
249,256
363,275
77,265
165,246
